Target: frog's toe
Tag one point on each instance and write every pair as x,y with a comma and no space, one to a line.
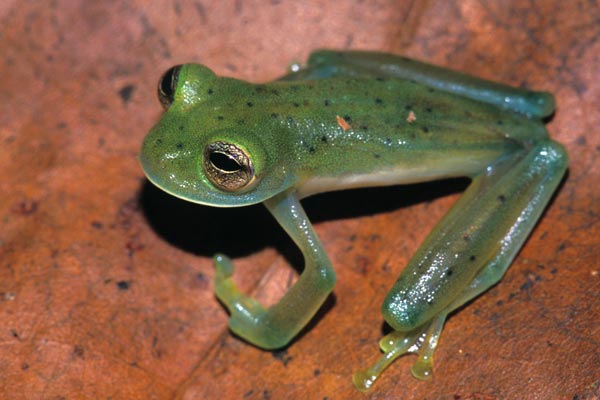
393,346
225,289
223,265
421,341
423,368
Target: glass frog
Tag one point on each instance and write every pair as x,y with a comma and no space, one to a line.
355,119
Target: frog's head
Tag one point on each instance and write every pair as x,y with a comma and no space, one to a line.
194,155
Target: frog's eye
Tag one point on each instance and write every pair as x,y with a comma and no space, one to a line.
228,166
167,86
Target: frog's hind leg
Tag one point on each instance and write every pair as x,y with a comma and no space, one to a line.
468,252
328,63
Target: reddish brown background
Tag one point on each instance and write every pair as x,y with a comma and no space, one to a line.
106,283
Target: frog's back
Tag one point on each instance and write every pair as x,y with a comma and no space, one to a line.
393,130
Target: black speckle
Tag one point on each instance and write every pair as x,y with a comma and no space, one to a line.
274,115
179,146
311,149
428,109
296,104
295,88
387,141
317,372
364,127
580,140
97,225
472,258
324,139
449,272
202,280
431,90
209,91
158,142
220,117
377,155
379,79
283,356
500,122
378,101
408,107
125,92
248,393
123,285
78,351
527,285
326,102
347,118
249,104
291,120
181,128
502,198
24,366
466,237
425,129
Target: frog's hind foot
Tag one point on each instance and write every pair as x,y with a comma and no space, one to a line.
421,341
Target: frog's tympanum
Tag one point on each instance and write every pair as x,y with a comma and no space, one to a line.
356,119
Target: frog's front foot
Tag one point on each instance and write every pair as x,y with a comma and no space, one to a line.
248,316
421,341
243,309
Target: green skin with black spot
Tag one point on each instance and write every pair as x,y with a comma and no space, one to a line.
403,122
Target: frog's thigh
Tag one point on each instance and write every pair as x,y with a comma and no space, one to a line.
328,63
485,228
547,164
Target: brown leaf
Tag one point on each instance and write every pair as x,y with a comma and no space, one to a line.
106,282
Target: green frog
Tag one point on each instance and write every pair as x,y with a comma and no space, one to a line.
354,119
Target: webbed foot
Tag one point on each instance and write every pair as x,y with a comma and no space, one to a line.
421,341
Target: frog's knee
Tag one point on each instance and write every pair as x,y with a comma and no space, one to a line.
553,153
401,314
541,104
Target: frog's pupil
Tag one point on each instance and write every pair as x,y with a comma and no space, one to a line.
224,162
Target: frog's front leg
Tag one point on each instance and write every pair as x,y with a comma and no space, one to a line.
274,327
468,252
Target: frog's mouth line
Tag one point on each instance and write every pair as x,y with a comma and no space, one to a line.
197,191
